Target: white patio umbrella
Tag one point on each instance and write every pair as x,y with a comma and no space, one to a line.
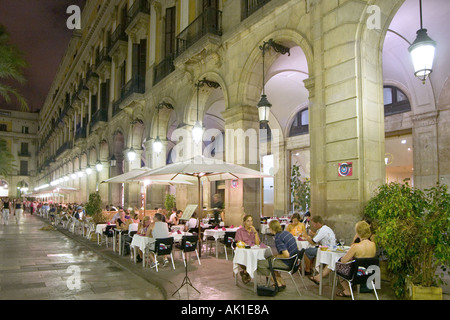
130,177
200,167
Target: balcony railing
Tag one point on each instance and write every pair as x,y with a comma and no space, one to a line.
139,6
103,56
250,6
210,21
163,69
118,35
65,146
99,115
24,154
80,133
135,85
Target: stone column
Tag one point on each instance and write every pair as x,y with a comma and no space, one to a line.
132,190
425,148
103,188
346,117
243,198
155,192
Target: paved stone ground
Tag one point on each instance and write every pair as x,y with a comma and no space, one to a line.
38,265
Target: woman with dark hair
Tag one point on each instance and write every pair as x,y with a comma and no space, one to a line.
296,228
250,237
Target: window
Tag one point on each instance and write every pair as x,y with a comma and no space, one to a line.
3,127
23,168
169,32
24,148
395,101
300,125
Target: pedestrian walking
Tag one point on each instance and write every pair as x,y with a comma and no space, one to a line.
19,211
5,212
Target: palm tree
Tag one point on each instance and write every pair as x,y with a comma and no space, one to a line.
7,165
11,68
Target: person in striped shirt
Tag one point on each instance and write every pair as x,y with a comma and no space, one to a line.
286,247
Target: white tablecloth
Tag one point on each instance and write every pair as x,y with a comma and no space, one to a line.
177,227
100,228
328,257
303,245
141,242
178,236
217,234
249,258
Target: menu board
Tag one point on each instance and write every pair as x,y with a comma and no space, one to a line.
189,211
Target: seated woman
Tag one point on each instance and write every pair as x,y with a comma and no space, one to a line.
286,247
364,249
144,229
250,237
192,223
159,230
296,228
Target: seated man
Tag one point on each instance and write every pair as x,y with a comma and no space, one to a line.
324,236
160,230
286,247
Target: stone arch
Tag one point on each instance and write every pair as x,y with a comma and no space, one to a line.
164,117
250,87
103,150
190,113
300,107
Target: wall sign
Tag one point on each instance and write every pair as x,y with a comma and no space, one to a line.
345,169
234,183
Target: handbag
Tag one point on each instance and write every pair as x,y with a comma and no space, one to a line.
268,291
344,269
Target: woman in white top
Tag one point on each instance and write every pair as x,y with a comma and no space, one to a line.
191,223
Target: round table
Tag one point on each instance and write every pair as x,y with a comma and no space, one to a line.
217,234
249,258
329,258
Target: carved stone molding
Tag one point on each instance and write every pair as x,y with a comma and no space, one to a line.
425,119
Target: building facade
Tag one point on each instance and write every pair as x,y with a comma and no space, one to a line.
138,70
19,130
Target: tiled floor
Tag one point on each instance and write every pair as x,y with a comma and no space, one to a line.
37,264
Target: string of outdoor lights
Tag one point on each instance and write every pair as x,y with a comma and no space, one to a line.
71,176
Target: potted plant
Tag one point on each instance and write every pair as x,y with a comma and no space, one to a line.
411,227
300,190
94,208
169,202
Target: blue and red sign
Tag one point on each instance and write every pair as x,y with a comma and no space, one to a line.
345,169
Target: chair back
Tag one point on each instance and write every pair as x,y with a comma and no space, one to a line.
164,246
189,243
360,273
132,233
297,262
228,238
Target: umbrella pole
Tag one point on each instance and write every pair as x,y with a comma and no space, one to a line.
199,210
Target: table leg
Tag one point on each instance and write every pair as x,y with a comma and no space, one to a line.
120,242
321,278
143,258
114,241
217,248
334,286
303,267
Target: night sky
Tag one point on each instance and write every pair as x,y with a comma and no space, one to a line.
38,29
